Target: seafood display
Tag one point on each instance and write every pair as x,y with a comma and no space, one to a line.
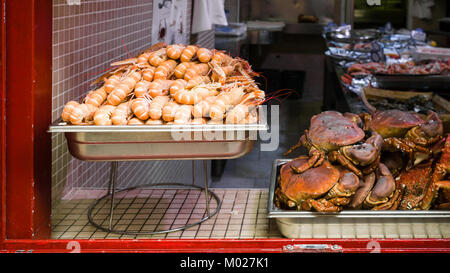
382,160
171,84
418,104
406,68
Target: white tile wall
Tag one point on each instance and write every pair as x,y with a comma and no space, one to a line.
86,39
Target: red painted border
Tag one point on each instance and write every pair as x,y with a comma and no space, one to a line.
28,115
2,125
223,245
25,181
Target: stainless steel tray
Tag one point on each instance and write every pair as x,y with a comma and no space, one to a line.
413,82
159,142
293,216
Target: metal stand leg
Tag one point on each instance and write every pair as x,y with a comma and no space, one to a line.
193,172
112,191
205,178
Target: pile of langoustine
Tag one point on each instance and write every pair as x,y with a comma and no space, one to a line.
411,67
171,84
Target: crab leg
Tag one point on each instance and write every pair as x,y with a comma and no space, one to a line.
323,205
440,171
432,193
407,146
444,206
421,140
366,120
339,201
336,156
404,145
315,160
301,142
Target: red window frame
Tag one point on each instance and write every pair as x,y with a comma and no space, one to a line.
25,158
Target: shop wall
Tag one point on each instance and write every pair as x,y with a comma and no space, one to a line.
438,11
232,10
86,39
286,11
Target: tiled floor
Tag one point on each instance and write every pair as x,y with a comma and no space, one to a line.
242,215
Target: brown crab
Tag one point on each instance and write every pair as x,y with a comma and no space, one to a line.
416,181
424,183
393,123
439,188
417,140
324,188
338,136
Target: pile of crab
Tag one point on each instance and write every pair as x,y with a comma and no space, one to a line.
385,160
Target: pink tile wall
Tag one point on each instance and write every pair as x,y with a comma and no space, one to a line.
86,39
204,39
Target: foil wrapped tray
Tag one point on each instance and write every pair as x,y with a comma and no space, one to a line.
353,36
159,142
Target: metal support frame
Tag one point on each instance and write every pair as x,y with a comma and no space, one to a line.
112,190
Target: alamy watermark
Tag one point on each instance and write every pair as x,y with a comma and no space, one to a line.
221,131
374,2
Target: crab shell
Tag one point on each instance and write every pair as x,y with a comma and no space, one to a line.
394,123
312,183
416,181
330,130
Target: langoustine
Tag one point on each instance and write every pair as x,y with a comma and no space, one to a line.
97,97
156,106
243,109
82,114
103,115
121,114
159,81
120,93
140,108
183,114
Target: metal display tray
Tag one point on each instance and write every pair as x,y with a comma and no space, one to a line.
158,142
413,82
294,217
356,36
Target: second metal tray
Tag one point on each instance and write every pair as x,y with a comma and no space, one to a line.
413,82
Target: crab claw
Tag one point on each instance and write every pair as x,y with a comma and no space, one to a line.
346,186
394,201
383,189
433,125
366,153
363,190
